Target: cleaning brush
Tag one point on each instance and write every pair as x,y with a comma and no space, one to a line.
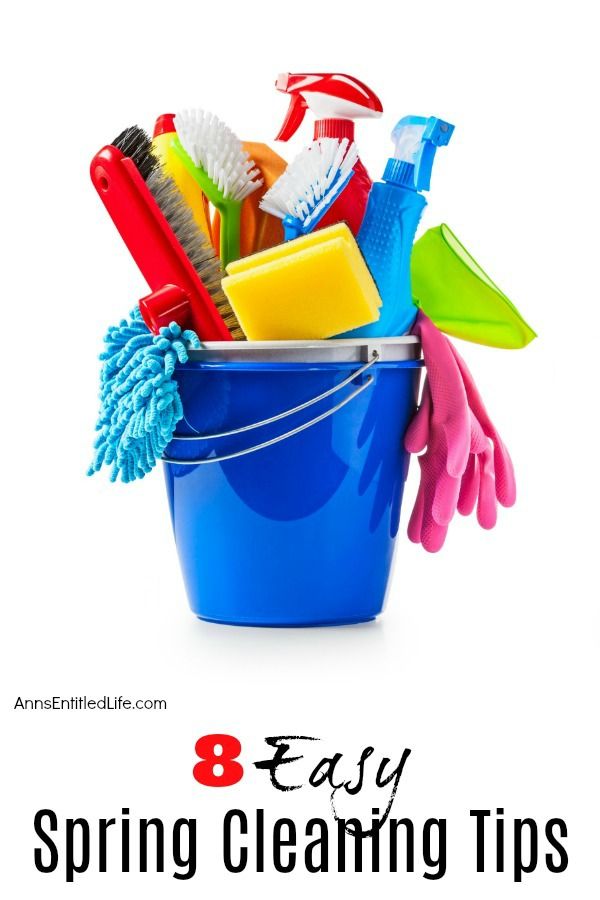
310,185
214,156
159,229
139,397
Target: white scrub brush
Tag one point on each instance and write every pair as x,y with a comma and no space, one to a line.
310,184
215,158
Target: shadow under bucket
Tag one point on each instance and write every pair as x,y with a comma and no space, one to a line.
286,475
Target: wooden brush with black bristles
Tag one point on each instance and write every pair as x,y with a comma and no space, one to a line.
179,264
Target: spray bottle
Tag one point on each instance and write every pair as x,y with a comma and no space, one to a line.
393,213
335,100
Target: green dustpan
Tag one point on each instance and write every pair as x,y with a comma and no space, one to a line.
458,296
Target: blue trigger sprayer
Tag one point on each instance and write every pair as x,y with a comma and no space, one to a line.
393,212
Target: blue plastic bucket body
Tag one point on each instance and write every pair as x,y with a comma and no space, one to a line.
303,532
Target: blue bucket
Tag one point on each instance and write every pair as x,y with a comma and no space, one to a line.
285,478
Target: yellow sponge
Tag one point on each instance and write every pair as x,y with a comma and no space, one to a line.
278,251
310,288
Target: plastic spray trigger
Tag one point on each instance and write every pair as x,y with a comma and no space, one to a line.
416,140
330,95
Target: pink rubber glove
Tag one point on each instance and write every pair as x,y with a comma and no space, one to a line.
504,473
425,527
478,485
460,468
442,425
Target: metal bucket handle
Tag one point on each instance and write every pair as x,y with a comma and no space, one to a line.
282,415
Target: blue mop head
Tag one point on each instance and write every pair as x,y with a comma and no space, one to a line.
139,401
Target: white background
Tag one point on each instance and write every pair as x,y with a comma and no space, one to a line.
485,662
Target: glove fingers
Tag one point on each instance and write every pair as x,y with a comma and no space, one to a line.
434,526
478,439
469,487
457,425
433,535
445,499
422,528
415,524
487,508
458,441
506,489
506,485
417,433
434,539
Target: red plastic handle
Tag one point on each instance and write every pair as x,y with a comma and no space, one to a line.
153,245
351,99
293,119
167,304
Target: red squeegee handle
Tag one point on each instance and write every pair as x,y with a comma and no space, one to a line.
154,247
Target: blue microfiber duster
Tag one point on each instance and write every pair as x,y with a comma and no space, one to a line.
139,400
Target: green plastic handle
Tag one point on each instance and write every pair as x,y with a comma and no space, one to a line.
459,297
230,211
229,243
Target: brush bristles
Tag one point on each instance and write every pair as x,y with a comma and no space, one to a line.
312,180
136,144
214,147
195,245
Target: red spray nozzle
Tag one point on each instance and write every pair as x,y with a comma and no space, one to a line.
329,96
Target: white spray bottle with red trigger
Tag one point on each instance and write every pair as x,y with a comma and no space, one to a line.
335,100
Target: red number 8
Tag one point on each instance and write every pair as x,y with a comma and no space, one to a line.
204,771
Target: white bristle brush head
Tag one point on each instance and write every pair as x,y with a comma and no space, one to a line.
216,149
311,179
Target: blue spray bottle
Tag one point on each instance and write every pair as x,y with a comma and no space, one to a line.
393,212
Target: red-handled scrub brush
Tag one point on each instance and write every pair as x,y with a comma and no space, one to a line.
161,234
139,399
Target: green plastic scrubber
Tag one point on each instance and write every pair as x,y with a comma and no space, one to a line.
456,294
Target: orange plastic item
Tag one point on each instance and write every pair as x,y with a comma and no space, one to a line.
258,229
